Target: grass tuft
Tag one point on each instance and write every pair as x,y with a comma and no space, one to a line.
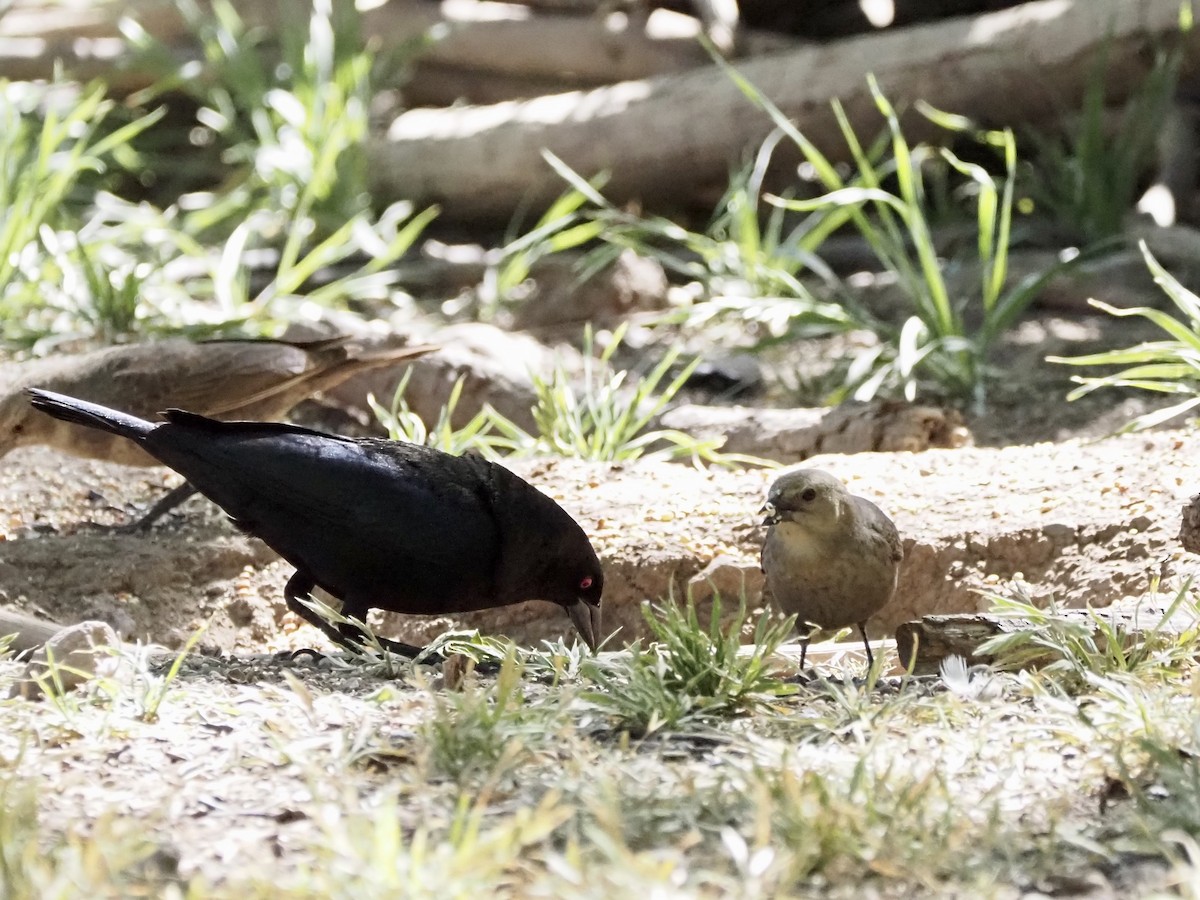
938,343
608,417
482,732
1170,366
113,853
1077,653
1087,177
691,673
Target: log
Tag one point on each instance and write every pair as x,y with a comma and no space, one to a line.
588,50
488,57
812,18
792,435
933,638
492,60
720,17
437,84
676,134
482,52
71,657
86,41
30,633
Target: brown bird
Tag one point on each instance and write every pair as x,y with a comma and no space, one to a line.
831,558
377,524
224,379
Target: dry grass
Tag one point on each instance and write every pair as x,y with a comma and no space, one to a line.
269,779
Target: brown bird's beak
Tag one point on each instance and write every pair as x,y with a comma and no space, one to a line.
772,514
586,619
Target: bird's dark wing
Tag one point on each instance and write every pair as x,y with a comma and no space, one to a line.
390,525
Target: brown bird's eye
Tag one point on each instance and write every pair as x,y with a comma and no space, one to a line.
586,583
808,494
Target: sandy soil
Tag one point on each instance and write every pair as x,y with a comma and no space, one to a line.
254,765
1082,522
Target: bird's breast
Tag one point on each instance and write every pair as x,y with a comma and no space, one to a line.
832,581
796,545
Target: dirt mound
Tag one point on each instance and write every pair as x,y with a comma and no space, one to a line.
1080,522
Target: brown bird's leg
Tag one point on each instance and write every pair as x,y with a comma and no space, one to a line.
803,652
862,629
173,498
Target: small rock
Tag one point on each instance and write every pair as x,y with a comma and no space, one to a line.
116,617
731,578
1189,528
1059,533
793,435
79,652
495,367
240,611
456,669
630,284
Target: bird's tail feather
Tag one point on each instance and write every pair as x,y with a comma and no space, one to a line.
382,356
91,415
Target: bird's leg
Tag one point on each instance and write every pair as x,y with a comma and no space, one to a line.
406,650
300,585
803,651
862,629
353,633
344,635
173,498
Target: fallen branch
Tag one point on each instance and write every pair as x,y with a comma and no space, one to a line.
792,435
674,135
484,52
934,638
68,658
29,633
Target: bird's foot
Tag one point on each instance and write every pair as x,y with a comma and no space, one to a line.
316,655
137,526
141,525
803,676
164,505
361,644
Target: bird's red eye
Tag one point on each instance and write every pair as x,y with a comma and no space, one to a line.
586,583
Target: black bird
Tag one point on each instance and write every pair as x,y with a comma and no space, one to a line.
378,524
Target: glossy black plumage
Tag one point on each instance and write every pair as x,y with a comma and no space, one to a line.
378,524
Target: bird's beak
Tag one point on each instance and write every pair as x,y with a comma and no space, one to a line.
586,619
772,514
